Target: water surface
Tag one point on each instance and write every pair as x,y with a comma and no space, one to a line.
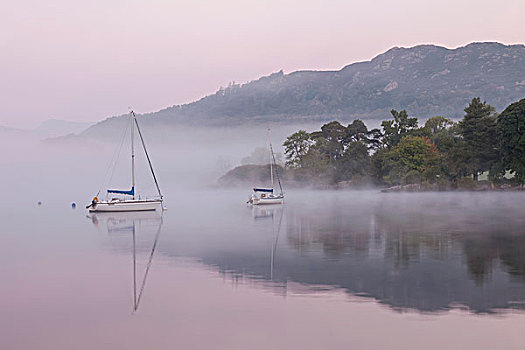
328,269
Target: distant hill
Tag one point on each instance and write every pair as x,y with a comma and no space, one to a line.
50,128
426,80
5,130
58,127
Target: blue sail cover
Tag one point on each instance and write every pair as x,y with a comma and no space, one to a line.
129,193
263,190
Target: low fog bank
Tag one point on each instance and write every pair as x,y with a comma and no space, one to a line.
76,167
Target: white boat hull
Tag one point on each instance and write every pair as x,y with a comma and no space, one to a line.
267,200
125,206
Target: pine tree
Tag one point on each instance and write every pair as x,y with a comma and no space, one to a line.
478,130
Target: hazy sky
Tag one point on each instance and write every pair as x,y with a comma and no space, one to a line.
92,59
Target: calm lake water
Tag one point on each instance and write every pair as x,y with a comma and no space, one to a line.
360,270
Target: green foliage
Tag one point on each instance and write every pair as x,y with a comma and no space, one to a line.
444,135
315,168
394,130
442,132
412,160
452,150
356,131
296,147
437,125
316,164
478,130
511,130
441,154
329,141
335,153
355,162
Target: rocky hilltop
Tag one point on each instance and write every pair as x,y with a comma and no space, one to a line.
426,80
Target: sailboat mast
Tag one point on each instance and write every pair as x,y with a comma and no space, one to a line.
149,160
134,271
276,172
132,153
271,157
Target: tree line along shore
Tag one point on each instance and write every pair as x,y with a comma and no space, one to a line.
482,151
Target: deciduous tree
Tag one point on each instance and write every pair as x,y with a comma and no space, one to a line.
401,126
511,129
296,147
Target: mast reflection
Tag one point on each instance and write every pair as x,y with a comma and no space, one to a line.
131,225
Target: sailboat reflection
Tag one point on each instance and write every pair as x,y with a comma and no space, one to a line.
271,213
132,224
263,212
276,241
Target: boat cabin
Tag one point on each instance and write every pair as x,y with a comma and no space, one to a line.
263,192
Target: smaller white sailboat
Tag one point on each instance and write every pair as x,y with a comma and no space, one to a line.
131,203
268,195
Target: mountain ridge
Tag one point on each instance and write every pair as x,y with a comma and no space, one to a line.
426,80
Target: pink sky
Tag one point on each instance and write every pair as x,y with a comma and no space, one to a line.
85,61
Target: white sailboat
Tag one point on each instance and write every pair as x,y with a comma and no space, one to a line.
265,195
130,203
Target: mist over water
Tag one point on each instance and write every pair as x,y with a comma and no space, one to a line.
212,272
185,158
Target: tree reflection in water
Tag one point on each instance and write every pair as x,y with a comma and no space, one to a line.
426,252
415,258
